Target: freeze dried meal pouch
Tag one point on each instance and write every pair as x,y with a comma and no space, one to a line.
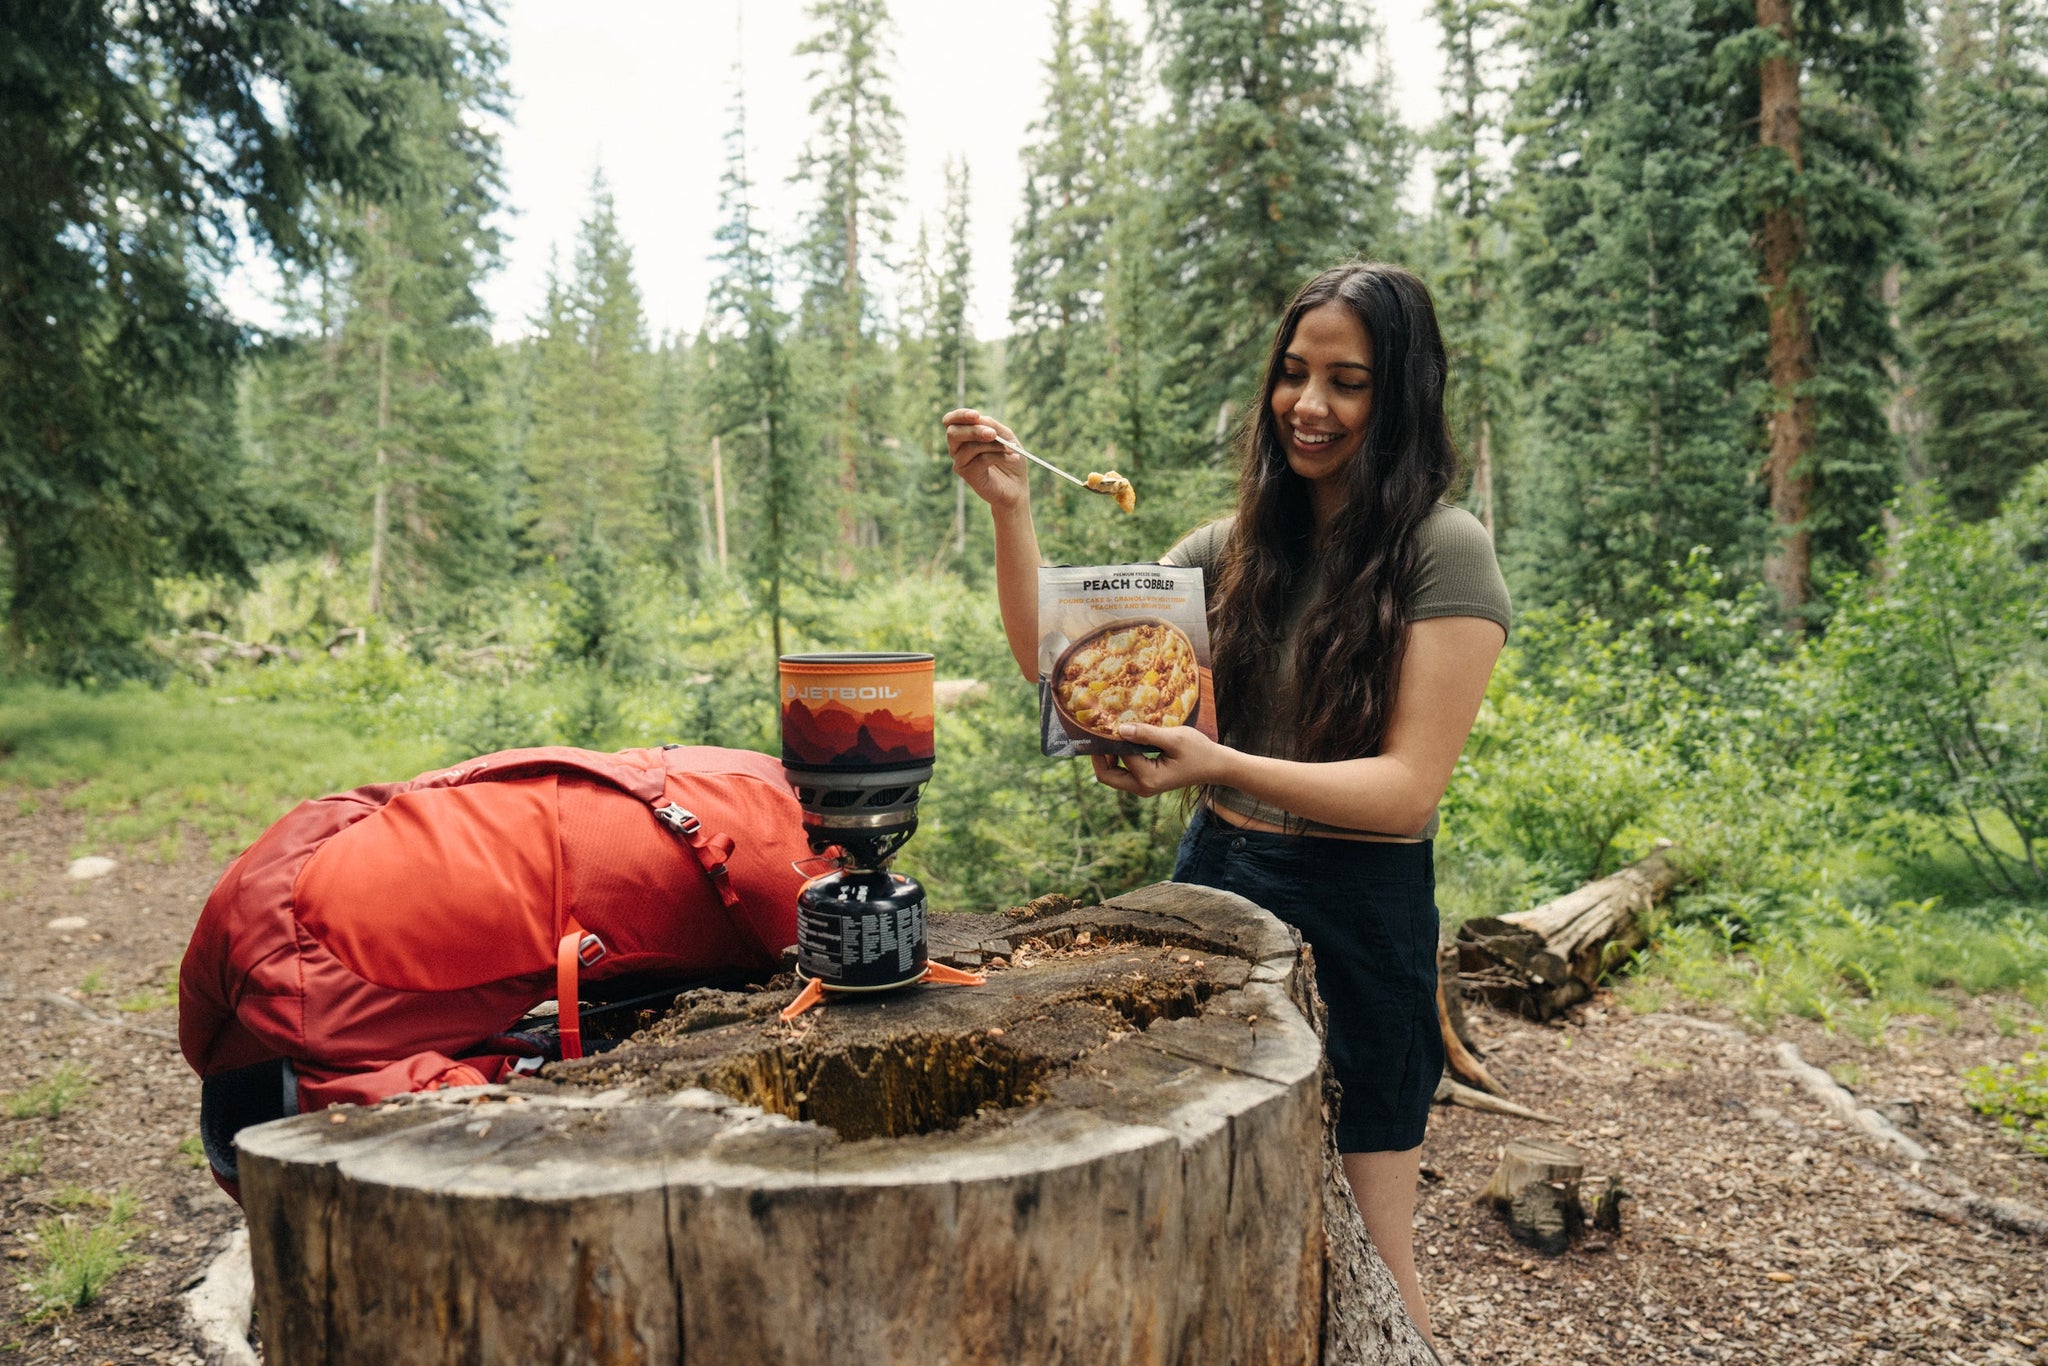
1117,643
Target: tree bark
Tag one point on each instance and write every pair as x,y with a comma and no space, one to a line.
1537,1186
380,499
1793,351
718,496
1110,1152
1459,1055
1543,961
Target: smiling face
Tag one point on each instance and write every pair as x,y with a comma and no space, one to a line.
1322,401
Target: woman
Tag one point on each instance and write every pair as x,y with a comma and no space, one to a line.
1355,619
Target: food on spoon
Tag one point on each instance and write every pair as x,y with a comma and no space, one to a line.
1117,487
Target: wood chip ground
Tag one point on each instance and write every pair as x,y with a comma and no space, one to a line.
1726,1202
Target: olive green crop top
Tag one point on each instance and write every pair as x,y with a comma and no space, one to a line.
1456,576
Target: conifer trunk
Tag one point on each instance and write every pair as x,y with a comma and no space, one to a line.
718,497
1792,354
380,501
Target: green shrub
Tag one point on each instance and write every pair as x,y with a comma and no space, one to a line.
2014,1094
1939,673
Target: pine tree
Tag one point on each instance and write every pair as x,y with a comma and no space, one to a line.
684,436
1058,261
1471,283
380,434
853,164
1823,108
1979,309
591,454
756,412
1636,281
940,367
1086,358
139,142
1278,162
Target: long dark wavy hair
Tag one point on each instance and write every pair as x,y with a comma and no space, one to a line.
1347,654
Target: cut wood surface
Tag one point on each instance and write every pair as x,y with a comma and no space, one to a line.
1542,961
1537,1186
1116,1151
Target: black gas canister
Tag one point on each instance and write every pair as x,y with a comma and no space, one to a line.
861,930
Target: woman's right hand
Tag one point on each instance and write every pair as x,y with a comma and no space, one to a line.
996,475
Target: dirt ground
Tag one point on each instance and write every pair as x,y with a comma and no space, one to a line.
61,991
1757,1229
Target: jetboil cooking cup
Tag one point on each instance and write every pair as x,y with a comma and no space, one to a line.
857,745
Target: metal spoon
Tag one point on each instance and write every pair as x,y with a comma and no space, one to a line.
1109,484
1010,445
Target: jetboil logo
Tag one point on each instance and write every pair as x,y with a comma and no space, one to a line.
828,693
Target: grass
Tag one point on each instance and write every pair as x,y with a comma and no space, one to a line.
24,1159
94,982
51,1096
191,1151
77,1259
1851,968
155,996
146,765
75,1197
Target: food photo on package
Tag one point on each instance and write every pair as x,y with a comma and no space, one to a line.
1118,643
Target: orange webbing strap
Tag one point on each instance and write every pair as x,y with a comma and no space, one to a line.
711,850
578,949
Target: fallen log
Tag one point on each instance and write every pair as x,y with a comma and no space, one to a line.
1459,1054
1955,1204
1536,1186
1471,1099
1116,1150
1842,1104
1540,962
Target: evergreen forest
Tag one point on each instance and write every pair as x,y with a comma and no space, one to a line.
1747,304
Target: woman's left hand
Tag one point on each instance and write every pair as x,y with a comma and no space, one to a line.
1186,757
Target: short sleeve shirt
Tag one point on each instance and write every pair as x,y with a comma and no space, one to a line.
1456,575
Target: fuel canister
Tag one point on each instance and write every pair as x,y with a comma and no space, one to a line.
861,930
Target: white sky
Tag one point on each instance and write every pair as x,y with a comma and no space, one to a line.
643,88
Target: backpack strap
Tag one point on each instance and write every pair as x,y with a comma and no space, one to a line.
578,949
647,782
712,851
635,776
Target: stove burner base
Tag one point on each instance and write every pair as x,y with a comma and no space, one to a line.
937,973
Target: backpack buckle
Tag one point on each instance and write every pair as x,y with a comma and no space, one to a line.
679,820
589,950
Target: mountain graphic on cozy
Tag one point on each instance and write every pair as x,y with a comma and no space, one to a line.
837,736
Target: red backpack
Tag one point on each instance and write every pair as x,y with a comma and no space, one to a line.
385,940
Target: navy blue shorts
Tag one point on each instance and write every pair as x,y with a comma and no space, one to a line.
1368,909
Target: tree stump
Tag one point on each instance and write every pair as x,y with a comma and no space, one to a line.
1543,961
1115,1151
1537,1186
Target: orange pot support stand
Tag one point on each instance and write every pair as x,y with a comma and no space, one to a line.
937,973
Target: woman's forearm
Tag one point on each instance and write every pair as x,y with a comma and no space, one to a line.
1444,668
1017,583
1380,794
